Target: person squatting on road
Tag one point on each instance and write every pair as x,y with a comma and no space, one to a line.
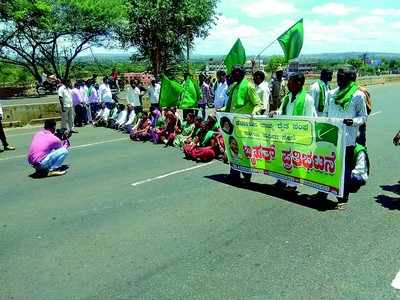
47,151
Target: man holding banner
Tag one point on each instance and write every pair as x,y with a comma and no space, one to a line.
296,103
347,102
243,99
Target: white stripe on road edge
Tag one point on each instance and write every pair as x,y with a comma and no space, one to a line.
172,173
75,147
396,282
20,134
99,143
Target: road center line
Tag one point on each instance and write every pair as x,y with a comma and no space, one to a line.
72,148
171,173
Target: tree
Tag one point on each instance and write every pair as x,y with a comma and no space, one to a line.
274,62
48,35
355,62
160,29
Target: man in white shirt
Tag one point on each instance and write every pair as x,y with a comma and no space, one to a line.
67,110
131,119
319,90
105,94
154,93
122,118
347,102
221,92
3,139
85,96
262,90
133,96
297,103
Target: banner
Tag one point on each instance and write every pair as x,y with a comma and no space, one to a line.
304,150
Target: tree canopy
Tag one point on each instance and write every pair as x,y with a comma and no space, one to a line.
47,35
160,29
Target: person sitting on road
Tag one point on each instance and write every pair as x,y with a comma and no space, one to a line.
205,146
131,120
185,131
115,114
47,152
102,116
141,131
120,118
165,135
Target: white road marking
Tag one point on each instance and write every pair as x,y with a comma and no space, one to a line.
374,114
171,173
72,148
99,143
396,282
20,134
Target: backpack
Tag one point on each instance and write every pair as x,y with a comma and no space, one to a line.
368,99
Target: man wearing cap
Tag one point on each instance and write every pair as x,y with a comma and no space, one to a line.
278,89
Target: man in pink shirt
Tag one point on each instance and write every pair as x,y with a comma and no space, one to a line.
47,152
77,101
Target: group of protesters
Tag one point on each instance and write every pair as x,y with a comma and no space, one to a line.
199,136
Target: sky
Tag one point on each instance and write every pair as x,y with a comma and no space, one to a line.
370,26
329,27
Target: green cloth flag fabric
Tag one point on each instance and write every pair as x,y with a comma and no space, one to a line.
343,97
170,92
357,150
191,94
299,105
238,93
326,133
292,41
237,56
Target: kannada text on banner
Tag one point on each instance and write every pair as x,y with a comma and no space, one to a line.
303,150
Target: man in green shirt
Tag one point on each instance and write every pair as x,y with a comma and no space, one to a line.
243,99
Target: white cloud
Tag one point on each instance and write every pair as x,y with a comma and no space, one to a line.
368,20
386,12
264,8
396,25
333,8
225,33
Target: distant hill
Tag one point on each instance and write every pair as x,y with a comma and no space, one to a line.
205,58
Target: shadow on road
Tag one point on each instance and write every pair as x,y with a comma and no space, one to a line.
272,191
392,203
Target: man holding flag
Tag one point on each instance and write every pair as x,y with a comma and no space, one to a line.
243,99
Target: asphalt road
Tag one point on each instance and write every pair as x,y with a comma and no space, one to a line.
92,235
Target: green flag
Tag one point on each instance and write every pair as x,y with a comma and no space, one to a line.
237,56
191,94
326,133
170,92
292,41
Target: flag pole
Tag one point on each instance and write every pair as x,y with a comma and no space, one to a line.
259,55
269,45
